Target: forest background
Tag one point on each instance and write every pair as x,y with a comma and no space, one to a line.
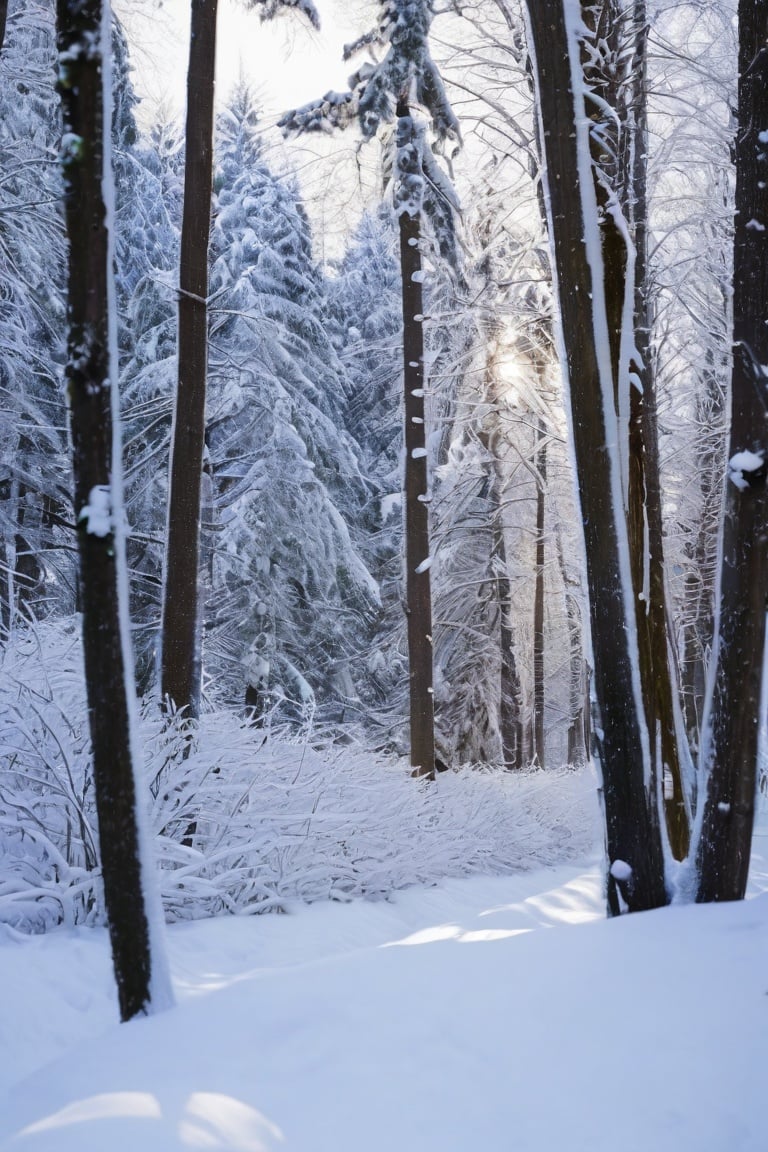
302,625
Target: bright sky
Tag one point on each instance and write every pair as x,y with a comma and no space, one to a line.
287,61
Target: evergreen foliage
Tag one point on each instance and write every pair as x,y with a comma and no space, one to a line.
292,596
36,570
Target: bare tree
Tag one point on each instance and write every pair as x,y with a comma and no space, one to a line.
181,652
590,266
83,33
733,714
538,597
182,605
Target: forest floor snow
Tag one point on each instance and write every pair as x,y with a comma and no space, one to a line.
496,1014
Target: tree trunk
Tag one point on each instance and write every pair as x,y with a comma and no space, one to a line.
181,644
510,693
698,626
418,593
730,741
538,602
658,667
98,499
3,21
636,873
577,749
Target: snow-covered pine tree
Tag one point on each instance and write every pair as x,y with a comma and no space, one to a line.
366,299
37,572
147,204
181,650
405,85
292,600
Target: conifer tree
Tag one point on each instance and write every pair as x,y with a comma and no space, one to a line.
181,628
36,569
403,85
292,601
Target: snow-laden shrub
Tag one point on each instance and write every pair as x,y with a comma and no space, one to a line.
249,819
48,845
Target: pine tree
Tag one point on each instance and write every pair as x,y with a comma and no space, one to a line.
181,629
292,600
148,192
400,86
36,569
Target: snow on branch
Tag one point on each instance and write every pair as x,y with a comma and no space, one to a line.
271,8
406,73
334,110
279,817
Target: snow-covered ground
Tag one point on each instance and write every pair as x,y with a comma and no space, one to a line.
481,1014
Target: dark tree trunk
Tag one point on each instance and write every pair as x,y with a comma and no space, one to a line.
538,602
658,668
181,642
418,594
510,692
89,388
632,822
3,21
577,749
730,745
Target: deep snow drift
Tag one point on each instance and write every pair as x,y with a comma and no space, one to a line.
490,1014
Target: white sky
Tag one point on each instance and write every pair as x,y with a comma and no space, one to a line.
287,61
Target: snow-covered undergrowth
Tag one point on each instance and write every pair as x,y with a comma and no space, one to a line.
249,820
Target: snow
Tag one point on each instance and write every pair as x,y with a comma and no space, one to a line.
390,503
483,1013
424,566
620,870
743,464
97,513
418,453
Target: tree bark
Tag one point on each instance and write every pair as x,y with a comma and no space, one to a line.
636,873
418,593
510,693
88,380
698,625
730,744
3,21
538,602
577,748
181,642
658,667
